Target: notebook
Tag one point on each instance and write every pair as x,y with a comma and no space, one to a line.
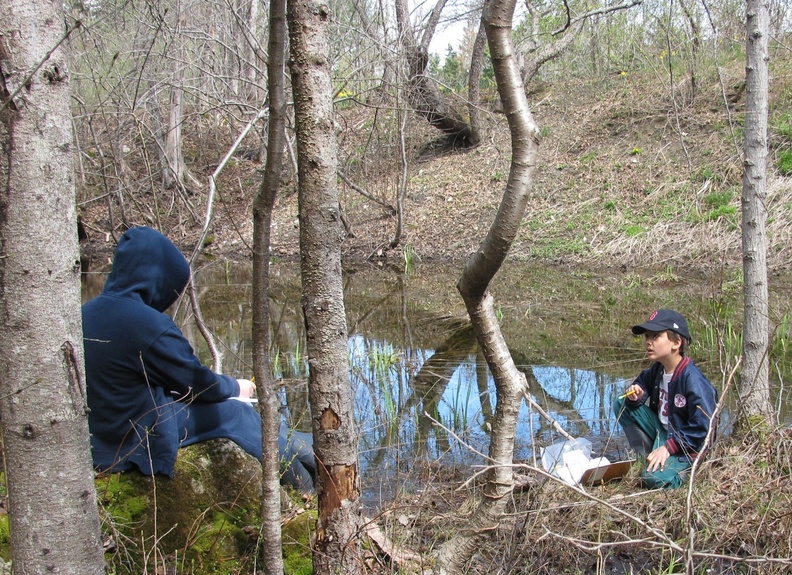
606,472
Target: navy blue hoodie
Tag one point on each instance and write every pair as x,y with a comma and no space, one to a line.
143,379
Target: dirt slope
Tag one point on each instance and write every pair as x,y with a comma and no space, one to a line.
628,176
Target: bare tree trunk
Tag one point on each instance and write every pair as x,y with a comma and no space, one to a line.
510,383
271,551
474,81
425,97
337,539
755,387
175,171
401,193
695,45
174,168
53,514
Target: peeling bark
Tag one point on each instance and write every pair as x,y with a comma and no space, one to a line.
339,524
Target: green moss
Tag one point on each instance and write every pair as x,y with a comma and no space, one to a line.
124,498
199,517
5,538
297,544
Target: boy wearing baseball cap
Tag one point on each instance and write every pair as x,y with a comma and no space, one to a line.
667,411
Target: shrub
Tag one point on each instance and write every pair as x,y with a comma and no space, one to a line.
784,163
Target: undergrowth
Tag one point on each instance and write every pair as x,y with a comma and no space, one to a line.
734,520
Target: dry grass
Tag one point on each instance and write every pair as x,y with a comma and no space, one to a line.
738,520
625,177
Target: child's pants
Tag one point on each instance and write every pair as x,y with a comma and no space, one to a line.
676,468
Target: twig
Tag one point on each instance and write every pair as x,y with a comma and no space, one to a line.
364,193
689,553
213,183
217,357
399,555
656,532
547,416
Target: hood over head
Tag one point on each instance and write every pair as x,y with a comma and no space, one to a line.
147,265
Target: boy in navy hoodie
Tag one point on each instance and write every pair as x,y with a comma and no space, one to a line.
148,393
667,411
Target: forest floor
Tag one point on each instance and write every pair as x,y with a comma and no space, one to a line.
627,177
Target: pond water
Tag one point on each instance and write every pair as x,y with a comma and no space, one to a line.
423,395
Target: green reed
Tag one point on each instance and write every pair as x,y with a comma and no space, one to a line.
722,343
382,361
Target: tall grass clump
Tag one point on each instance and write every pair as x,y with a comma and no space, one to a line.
784,163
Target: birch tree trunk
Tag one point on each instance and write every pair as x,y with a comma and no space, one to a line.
337,538
754,386
54,520
272,552
474,289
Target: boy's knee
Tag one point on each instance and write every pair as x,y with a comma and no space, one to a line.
672,477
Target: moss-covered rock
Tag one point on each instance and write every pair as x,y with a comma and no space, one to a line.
198,521
297,533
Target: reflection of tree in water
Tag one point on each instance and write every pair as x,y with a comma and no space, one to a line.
288,334
427,386
553,404
580,398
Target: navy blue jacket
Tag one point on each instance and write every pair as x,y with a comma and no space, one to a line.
143,378
691,402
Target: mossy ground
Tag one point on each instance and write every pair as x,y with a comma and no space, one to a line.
204,520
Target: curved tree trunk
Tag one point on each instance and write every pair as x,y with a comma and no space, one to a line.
474,287
427,101
338,529
423,93
271,550
53,514
755,387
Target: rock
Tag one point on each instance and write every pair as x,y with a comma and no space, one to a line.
198,517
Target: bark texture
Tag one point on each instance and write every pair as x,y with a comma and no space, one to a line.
336,545
53,514
271,552
755,386
474,284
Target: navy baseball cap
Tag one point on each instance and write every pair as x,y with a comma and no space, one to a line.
662,320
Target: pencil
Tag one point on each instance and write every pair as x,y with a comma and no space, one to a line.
629,393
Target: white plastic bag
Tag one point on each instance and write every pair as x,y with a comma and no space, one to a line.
569,459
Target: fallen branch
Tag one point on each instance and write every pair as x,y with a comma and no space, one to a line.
397,554
365,194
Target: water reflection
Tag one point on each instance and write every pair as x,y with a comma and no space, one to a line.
422,392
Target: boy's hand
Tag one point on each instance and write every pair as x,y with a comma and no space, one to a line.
656,460
247,388
634,392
